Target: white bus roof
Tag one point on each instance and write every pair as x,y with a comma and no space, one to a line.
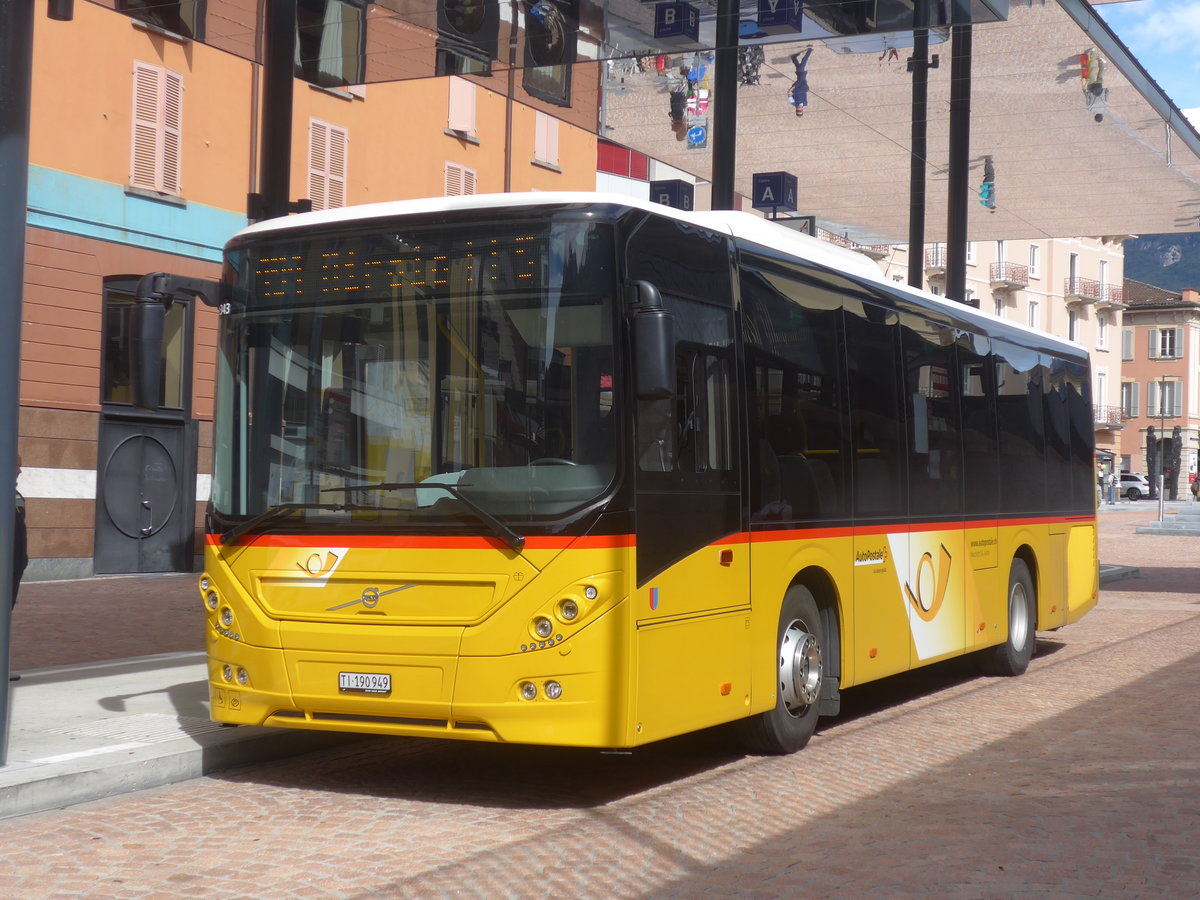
742,225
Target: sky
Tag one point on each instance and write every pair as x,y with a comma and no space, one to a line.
1164,36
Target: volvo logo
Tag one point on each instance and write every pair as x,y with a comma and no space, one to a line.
370,597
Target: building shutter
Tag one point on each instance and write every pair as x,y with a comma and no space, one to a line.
327,152
1153,343
459,180
157,129
461,117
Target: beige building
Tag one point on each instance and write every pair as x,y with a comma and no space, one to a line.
1069,287
1160,384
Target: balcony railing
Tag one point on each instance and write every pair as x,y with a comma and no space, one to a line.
1109,416
1079,290
935,258
1009,275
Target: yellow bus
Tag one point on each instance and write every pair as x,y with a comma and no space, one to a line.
576,469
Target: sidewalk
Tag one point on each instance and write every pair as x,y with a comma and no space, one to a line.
112,696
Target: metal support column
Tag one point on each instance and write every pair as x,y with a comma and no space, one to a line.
275,161
960,161
724,119
918,64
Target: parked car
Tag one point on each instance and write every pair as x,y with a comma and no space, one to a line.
1134,485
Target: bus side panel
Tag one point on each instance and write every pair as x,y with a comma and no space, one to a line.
693,642
938,594
985,594
1083,573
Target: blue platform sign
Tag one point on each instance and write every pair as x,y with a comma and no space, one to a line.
774,191
697,134
677,20
780,16
674,193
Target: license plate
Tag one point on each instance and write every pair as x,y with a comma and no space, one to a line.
365,682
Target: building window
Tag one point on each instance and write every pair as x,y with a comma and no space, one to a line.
1035,261
1164,398
182,17
1072,325
1101,388
970,253
1129,399
326,164
174,376
1035,316
1127,343
459,180
1165,343
461,117
1000,252
998,303
545,139
157,129
1102,331
330,36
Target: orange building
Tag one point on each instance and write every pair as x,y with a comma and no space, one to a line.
1160,385
145,164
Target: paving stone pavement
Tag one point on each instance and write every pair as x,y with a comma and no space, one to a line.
1079,779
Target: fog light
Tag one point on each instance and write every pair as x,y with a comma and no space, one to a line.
553,690
542,627
590,592
226,616
212,600
227,673
243,676
568,610
528,690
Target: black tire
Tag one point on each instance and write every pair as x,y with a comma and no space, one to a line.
800,661
1012,657
1133,494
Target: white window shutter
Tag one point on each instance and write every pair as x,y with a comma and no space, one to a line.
1136,389
461,117
338,140
172,146
1152,399
545,138
1177,344
459,180
143,167
1176,398
1153,343
318,162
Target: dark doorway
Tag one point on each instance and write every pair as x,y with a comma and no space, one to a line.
146,465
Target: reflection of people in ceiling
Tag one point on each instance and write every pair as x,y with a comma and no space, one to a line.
677,88
547,32
1091,74
798,92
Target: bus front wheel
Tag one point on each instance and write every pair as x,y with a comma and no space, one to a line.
800,670
1012,657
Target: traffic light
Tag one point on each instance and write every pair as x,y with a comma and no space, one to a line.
987,190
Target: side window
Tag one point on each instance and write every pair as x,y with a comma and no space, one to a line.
977,384
697,442
876,410
935,466
797,397
1020,427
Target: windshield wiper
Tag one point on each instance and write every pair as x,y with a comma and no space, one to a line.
499,528
275,512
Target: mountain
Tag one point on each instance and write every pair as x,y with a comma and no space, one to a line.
1170,261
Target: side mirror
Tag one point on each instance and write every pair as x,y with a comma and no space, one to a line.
653,344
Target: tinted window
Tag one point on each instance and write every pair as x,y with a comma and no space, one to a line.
1020,426
798,409
931,397
876,410
977,384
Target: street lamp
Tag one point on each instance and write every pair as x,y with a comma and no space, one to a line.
1162,429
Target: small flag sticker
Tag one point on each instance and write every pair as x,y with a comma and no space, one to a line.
654,598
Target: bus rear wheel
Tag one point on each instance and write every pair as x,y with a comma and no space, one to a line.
800,671
1012,657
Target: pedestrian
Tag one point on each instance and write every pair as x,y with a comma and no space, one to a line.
1114,480
20,544
677,88
798,92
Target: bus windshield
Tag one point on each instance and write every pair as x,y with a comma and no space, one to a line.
359,370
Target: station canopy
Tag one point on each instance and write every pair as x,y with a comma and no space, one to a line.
1058,171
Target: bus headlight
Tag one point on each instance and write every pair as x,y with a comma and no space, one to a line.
203,583
568,610
212,600
542,627
528,690
227,673
243,677
226,616
553,690
590,592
